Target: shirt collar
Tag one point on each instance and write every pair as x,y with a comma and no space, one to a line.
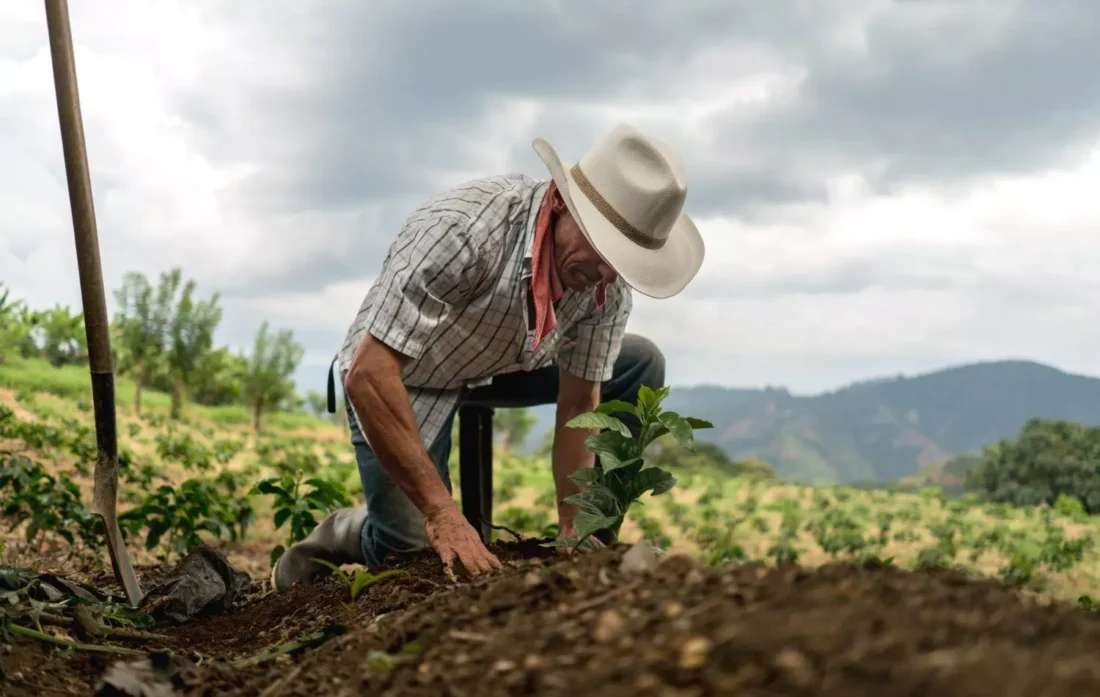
532,217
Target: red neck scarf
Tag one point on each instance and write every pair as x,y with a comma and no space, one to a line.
545,283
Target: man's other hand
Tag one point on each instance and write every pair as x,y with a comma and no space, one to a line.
452,537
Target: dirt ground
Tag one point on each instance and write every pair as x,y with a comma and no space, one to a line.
580,626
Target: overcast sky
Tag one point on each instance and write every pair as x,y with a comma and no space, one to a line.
883,187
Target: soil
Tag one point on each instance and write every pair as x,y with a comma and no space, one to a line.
579,626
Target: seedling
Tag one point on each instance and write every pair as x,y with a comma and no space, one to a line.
360,578
297,506
620,477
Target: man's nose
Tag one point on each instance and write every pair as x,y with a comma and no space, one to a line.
607,274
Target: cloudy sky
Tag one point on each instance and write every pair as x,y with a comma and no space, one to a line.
883,187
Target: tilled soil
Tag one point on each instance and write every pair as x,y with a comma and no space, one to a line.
579,626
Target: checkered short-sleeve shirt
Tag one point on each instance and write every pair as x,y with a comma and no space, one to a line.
453,295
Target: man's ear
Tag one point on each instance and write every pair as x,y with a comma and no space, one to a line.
557,203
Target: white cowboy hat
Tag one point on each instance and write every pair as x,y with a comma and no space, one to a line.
627,194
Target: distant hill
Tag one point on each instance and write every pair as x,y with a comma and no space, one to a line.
882,429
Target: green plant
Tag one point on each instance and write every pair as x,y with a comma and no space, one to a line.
297,506
619,476
47,504
360,578
195,506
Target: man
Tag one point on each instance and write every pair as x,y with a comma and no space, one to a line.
505,291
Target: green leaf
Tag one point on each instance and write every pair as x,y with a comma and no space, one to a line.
655,431
276,553
281,517
613,464
597,420
615,406
334,568
698,423
585,477
364,578
599,501
653,479
584,502
679,428
611,446
587,523
647,399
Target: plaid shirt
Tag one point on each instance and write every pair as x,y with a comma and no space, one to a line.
454,295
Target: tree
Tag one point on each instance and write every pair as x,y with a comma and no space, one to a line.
317,403
216,378
1048,459
190,338
513,425
266,383
11,329
140,326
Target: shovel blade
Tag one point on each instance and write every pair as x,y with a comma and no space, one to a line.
105,505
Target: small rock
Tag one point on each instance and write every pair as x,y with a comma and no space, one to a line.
503,666
673,609
795,667
693,577
133,679
695,653
424,668
626,643
639,558
533,580
608,627
647,681
533,661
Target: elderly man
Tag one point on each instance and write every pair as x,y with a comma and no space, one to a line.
506,291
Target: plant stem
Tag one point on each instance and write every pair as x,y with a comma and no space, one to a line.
42,636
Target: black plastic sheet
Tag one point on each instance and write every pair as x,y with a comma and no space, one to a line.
203,583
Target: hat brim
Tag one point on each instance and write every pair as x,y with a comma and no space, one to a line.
658,273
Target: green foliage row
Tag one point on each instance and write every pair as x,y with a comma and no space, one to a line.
213,499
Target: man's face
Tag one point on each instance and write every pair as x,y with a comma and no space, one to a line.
579,266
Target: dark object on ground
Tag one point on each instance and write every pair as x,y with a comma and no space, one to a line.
203,583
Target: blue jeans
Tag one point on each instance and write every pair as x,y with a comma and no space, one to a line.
395,526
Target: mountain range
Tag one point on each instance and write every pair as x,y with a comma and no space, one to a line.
882,429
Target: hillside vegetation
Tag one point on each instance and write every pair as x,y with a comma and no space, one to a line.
885,429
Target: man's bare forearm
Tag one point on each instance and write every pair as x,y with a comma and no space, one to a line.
374,387
575,396
569,455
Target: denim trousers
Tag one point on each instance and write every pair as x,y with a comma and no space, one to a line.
395,526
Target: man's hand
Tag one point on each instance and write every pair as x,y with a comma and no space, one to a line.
452,537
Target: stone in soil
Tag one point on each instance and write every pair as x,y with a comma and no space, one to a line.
580,627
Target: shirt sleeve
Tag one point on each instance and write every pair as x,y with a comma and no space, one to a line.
599,337
431,266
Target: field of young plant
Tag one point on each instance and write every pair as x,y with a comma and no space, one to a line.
745,615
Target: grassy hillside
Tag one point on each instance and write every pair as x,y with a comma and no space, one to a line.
885,429
719,518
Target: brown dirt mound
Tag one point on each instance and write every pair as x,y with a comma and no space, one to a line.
579,627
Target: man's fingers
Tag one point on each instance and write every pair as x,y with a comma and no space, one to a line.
447,556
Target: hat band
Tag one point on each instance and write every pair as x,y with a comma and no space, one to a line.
608,211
